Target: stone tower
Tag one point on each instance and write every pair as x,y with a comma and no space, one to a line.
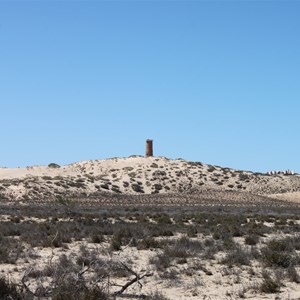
149,148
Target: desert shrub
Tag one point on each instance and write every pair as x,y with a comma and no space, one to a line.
70,289
165,232
293,275
277,259
53,165
10,250
125,184
161,261
269,285
60,238
257,228
251,239
128,168
163,219
66,263
211,169
148,243
154,165
280,245
104,186
116,243
237,256
211,247
228,243
156,296
116,269
85,256
116,189
294,242
159,173
158,187
137,188
221,233
174,252
243,177
15,219
279,253
132,175
171,275
98,238
183,248
121,237
9,290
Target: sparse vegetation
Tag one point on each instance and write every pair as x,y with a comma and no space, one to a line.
177,243
186,225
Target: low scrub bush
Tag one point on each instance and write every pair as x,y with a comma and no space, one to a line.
161,261
148,243
10,250
279,253
157,296
269,285
9,290
237,256
251,239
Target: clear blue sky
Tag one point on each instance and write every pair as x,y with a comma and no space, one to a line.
210,81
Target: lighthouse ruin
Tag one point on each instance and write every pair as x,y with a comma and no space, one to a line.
149,148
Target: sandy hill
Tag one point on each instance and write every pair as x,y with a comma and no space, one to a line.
139,175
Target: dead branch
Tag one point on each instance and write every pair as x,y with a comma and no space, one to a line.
137,279
38,293
52,250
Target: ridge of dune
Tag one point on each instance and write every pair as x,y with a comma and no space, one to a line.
137,175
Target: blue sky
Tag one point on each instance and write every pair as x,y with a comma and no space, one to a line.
210,81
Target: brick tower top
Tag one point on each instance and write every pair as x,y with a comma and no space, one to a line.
149,148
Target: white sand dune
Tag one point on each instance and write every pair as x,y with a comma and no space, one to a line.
139,175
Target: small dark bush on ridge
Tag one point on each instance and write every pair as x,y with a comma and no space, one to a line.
54,165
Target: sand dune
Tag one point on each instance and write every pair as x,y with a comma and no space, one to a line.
138,175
